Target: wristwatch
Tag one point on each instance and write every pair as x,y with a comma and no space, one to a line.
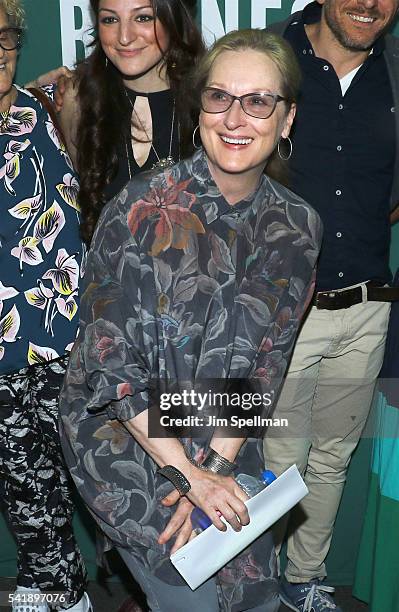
176,477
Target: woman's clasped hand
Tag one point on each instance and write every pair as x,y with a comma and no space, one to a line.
218,496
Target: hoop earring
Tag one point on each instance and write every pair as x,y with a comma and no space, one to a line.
194,134
287,157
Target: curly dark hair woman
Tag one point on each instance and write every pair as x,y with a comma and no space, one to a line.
125,112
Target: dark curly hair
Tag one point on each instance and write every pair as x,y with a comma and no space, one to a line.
104,108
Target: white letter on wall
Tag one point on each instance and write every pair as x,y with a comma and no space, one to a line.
69,33
212,22
258,11
299,5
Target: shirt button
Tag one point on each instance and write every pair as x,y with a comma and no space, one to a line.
338,235
339,148
340,274
340,106
338,192
326,67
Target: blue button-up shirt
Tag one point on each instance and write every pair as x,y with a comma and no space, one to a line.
343,160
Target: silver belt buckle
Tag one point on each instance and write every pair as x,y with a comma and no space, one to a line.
326,294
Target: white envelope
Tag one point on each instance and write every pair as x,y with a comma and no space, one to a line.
199,559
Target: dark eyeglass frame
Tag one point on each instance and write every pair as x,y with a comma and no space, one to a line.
276,98
18,32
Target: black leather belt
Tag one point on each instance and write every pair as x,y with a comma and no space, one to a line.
345,298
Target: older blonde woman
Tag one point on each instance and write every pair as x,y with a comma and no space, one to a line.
40,256
200,272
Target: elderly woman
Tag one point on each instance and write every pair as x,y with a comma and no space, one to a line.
200,272
40,255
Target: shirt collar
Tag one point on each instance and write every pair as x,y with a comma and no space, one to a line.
312,14
212,200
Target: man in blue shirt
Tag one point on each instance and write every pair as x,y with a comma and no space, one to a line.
345,164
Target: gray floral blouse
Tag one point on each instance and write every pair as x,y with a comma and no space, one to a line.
181,285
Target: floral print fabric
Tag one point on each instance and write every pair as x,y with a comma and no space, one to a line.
180,285
35,485
40,250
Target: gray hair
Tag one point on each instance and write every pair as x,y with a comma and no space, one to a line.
14,11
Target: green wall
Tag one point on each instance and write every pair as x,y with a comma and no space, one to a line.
53,26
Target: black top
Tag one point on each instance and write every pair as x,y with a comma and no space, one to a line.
343,160
161,105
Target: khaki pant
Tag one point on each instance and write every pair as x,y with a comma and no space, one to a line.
326,398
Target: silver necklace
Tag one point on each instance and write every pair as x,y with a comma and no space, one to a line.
162,162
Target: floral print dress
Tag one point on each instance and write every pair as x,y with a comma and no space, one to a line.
40,249
40,259
181,285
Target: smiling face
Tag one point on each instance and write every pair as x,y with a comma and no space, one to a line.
238,145
356,24
8,64
133,40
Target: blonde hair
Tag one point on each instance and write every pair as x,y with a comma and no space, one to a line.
271,45
14,11
279,52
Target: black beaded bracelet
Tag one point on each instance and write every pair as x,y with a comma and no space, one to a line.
176,477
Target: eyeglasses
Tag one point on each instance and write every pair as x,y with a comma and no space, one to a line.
10,38
259,105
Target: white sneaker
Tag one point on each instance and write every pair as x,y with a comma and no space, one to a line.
83,605
24,605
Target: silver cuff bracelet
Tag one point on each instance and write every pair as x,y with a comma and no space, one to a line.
216,463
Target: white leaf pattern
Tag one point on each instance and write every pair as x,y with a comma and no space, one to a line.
28,252
40,354
65,276
49,225
38,191
68,190
25,208
7,292
9,325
